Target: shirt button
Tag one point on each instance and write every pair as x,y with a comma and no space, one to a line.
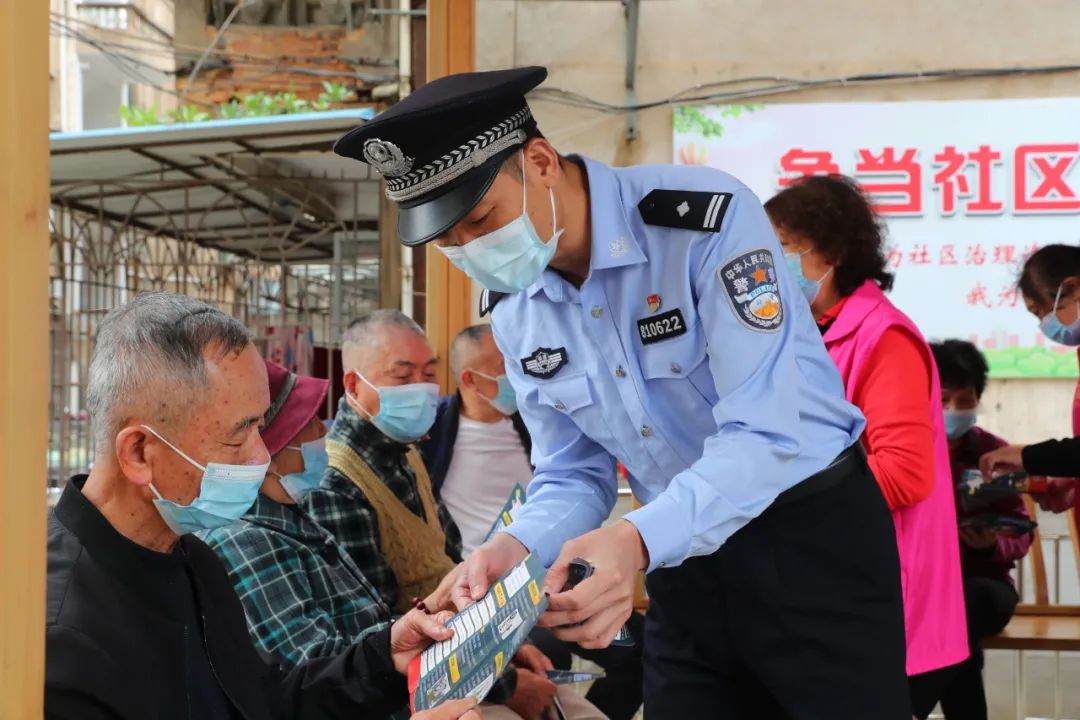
619,372
646,431
676,368
597,311
559,405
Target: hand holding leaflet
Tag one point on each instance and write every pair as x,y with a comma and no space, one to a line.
486,635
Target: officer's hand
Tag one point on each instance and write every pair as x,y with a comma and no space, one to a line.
488,563
1001,460
413,632
451,710
603,601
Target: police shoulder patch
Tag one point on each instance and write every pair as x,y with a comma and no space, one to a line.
685,209
488,300
751,286
544,362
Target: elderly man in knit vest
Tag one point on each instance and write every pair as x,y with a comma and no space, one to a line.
376,496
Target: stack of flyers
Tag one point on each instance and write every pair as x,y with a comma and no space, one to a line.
509,511
486,635
975,485
569,677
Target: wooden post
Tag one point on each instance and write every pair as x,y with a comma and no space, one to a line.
389,252
451,30
24,352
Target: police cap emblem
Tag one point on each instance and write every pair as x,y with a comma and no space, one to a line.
753,290
386,157
544,362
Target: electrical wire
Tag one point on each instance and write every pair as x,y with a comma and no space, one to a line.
781,85
275,65
217,37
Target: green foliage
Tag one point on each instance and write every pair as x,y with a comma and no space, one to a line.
1030,362
259,104
140,117
189,114
691,118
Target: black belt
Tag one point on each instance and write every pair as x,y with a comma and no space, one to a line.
845,463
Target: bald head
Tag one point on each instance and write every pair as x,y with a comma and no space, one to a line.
370,334
468,346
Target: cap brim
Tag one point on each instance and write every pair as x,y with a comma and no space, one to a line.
431,217
303,403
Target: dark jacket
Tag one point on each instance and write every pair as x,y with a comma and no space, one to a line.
118,644
1060,458
438,448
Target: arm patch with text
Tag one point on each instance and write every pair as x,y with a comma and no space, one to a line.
751,286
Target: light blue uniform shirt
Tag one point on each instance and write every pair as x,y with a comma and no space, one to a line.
713,423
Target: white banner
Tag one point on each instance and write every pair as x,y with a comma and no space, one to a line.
967,188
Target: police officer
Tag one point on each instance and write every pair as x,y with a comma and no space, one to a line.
647,314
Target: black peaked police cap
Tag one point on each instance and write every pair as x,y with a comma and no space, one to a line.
441,147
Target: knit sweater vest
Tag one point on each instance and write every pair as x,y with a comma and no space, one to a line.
414,547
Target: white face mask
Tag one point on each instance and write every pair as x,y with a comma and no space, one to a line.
225,493
511,258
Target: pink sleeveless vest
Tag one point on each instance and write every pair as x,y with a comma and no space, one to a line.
926,533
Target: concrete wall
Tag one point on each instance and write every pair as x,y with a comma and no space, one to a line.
686,42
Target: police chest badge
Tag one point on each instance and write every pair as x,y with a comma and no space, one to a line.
544,362
752,289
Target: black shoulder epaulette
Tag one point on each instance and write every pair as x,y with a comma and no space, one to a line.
685,209
488,300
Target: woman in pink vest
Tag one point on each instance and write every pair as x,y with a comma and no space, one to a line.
834,246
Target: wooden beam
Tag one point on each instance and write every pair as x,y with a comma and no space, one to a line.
24,352
451,31
389,253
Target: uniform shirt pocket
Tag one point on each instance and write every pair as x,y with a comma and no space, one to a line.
674,359
566,394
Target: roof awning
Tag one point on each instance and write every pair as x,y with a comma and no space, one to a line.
267,187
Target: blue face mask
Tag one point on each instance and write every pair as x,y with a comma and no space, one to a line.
1058,331
298,485
505,401
810,288
511,258
958,423
225,493
406,412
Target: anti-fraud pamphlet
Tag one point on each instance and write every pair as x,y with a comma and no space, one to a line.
509,511
486,637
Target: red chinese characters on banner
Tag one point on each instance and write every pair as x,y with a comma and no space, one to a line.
953,182
797,163
1043,177
947,255
1039,178
920,255
893,183
1004,254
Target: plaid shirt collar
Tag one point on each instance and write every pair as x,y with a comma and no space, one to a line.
289,520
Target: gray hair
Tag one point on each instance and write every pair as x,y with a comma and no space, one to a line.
365,334
155,341
465,345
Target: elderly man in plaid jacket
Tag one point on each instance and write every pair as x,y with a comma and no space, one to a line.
377,499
